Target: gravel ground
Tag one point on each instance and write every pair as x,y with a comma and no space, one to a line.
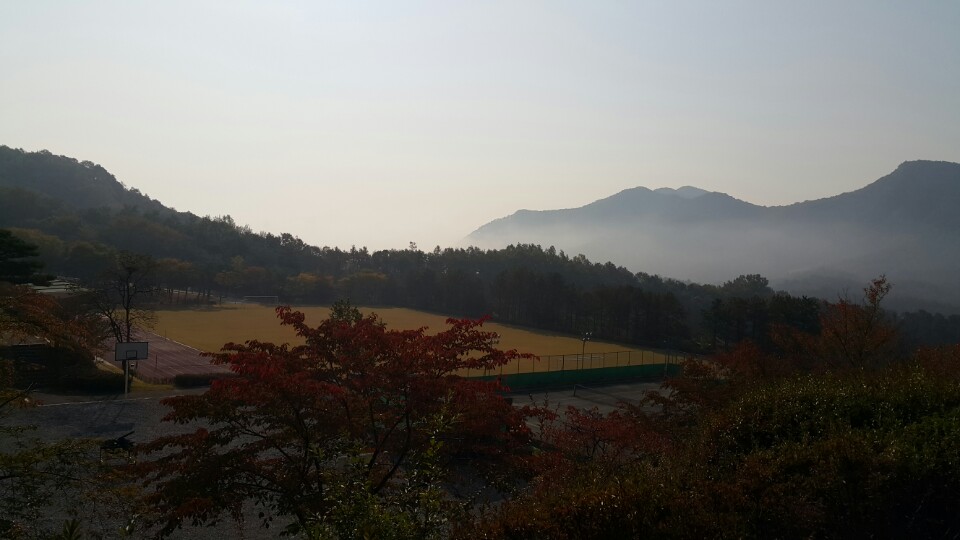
56,418
59,417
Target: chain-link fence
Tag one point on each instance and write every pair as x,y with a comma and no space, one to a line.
577,362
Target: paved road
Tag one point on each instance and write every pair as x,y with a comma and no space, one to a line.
602,397
60,416
76,417
103,417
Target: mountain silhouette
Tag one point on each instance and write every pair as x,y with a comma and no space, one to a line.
905,225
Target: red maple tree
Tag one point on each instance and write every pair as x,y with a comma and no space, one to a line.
356,405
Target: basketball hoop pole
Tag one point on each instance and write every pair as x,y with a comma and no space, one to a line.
127,351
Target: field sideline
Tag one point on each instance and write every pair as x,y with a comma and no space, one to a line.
208,329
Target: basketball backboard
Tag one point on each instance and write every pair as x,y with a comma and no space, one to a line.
134,350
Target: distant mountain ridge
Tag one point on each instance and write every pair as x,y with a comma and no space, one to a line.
917,193
77,185
687,192
905,225
79,214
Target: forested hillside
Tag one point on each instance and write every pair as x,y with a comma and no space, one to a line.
80,216
903,225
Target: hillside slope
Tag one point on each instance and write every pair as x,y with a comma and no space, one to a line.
904,225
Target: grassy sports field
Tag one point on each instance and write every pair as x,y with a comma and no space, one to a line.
209,329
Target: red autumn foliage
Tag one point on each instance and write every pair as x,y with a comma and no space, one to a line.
27,315
853,336
356,398
829,435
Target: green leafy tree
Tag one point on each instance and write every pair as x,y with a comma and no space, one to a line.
18,264
27,315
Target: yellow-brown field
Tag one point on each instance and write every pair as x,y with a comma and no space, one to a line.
209,329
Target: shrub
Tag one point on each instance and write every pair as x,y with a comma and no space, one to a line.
195,380
92,381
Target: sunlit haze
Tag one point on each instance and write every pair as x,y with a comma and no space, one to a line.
383,123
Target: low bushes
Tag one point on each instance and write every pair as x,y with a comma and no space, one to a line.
92,381
194,380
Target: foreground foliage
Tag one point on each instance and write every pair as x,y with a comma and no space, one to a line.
364,432
834,436
353,431
816,456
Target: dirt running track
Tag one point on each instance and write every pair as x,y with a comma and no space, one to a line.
169,358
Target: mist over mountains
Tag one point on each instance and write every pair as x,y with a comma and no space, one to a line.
905,225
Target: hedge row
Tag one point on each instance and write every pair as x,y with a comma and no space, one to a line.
92,381
194,380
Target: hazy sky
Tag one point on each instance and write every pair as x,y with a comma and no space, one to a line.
380,123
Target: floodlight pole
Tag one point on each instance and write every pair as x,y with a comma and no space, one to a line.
586,337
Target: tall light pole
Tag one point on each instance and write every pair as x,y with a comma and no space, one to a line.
586,337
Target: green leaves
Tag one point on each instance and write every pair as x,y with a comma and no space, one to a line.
17,263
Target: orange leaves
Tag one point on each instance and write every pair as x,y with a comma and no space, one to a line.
853,335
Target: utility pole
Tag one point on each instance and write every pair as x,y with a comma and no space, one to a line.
586,337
